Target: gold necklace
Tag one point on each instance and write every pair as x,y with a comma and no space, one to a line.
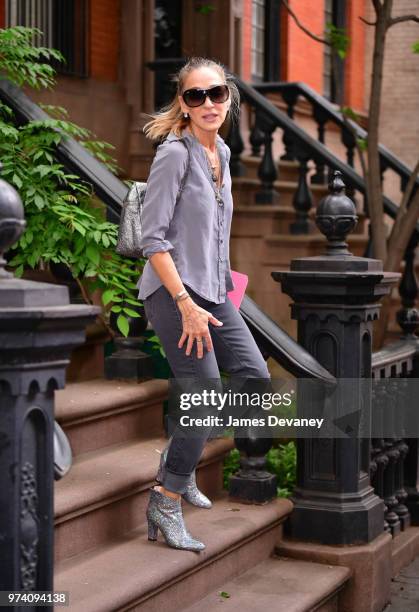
212,168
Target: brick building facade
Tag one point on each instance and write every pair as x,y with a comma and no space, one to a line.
257,39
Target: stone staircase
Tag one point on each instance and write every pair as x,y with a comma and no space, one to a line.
102,554
103,557
261,240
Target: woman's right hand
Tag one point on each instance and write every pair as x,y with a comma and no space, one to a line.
195,326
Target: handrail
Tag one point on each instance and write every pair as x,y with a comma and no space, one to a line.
109,188
281,346
391,161
112,191
398,352
316,149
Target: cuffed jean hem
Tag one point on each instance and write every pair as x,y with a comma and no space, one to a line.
176,483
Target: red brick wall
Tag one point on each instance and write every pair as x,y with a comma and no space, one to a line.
304,61
283,74
355,59
104,39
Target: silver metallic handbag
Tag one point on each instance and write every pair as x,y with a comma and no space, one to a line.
130,224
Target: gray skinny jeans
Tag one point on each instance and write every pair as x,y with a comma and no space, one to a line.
234,351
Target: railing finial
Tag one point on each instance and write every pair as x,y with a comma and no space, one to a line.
12,221
336,216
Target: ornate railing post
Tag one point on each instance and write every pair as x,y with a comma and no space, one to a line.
256,137
38,330
235,142
290,96
252,483
408,319
335,302
302,200
267,171
320,116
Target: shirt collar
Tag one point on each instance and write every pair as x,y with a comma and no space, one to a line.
186,134
194,143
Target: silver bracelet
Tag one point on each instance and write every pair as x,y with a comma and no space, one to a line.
179,295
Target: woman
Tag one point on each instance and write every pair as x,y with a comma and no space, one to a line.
186,223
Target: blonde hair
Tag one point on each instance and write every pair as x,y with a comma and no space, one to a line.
170,118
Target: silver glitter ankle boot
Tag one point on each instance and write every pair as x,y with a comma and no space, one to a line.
165,513
192,495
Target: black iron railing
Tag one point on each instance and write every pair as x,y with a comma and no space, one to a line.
299,145
323,112
398,360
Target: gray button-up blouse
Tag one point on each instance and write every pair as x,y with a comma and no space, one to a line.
196,228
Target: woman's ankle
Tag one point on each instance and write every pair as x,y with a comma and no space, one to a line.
166,492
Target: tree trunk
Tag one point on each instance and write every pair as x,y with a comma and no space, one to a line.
374,188
394,260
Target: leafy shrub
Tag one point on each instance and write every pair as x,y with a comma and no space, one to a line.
65,223
280,460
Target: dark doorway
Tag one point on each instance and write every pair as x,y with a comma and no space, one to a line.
167,48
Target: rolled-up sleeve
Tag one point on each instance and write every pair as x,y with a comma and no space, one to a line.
166,174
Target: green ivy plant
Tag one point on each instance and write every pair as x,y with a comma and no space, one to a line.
65,223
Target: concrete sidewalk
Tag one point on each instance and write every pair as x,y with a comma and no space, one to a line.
405,590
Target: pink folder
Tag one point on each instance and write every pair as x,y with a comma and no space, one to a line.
240,283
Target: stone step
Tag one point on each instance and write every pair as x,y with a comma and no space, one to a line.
281,584
104,495
245,188
280,249
98,413
257,220
282,209
287,170
133,573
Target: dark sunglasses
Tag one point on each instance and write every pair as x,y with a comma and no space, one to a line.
196,97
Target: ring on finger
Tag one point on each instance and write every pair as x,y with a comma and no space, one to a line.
199,340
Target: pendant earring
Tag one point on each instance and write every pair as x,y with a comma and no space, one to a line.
185,115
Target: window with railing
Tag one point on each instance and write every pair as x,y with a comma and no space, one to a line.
258,40
64,24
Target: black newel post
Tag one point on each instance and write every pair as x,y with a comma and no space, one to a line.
335,302
38,330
